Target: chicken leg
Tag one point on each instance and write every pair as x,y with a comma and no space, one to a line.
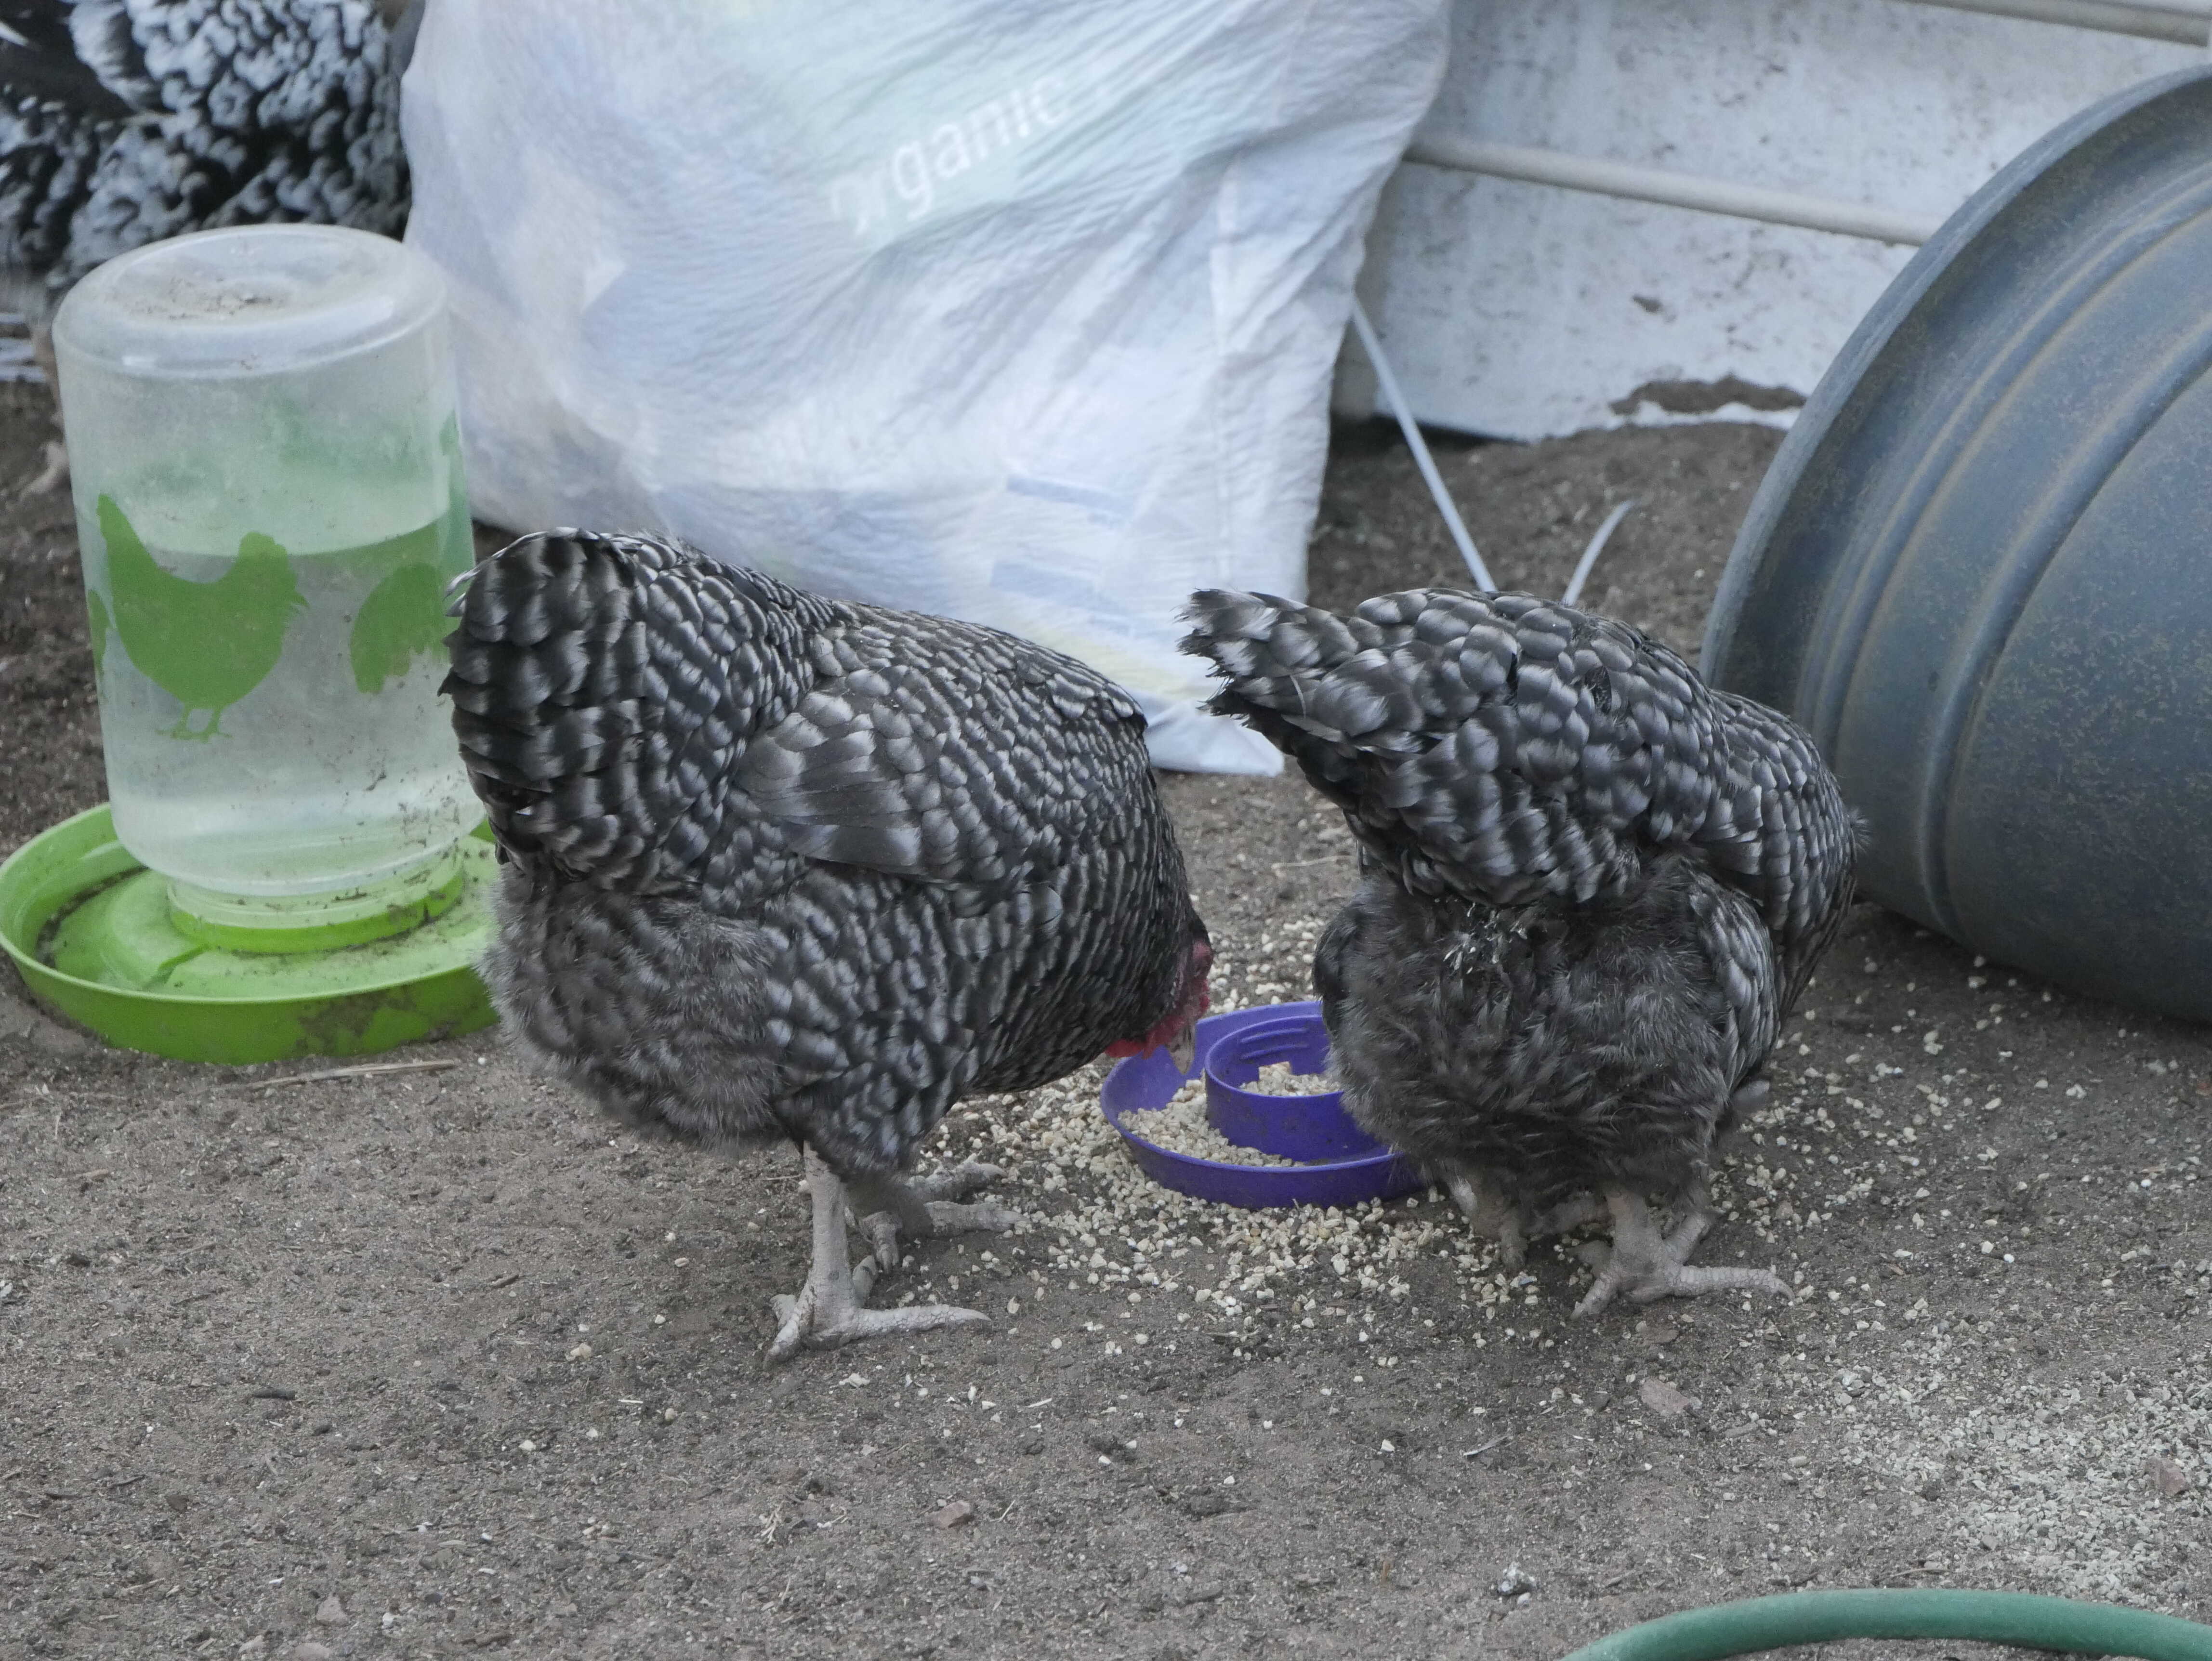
829,1309
1647,1264
55,472
1491,1215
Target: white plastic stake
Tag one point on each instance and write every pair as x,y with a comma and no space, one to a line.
1596,547
1422,459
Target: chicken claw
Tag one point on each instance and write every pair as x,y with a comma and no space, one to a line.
1647,1265
1568,1215
831,1308
56,472
922,1207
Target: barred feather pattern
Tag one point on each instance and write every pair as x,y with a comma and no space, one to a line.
1594,884
126,121
780,865
1501,747
1553,1048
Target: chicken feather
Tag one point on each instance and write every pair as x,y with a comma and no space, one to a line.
783,866
1593,887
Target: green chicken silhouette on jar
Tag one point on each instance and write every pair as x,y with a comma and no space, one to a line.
206,644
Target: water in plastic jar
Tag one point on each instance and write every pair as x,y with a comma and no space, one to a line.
270,506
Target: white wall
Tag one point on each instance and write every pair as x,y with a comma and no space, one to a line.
1523,311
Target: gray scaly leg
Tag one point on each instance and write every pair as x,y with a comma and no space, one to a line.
829,1309
922,1208
1646,1264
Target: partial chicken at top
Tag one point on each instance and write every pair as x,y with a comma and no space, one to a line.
1592,888
126,121
784,866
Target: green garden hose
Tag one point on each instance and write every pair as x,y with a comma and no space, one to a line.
1988,1617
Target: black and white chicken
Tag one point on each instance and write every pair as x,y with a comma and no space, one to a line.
1592,888
779,866
126,121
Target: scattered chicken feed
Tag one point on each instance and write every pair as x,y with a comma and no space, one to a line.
1181,1127
1096,1220
1281,1079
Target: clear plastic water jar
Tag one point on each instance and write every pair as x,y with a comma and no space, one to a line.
268,486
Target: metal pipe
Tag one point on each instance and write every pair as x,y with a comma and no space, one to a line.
2189,22
1679,190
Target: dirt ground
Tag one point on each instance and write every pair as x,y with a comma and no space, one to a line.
440,1365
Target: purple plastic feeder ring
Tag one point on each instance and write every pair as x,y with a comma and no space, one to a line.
1338,1164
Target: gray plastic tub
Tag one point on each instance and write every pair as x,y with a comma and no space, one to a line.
1979,571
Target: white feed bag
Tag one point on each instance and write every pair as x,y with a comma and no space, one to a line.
1019,312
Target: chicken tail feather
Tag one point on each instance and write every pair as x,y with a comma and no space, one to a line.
601,686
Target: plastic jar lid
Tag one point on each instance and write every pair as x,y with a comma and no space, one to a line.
250,301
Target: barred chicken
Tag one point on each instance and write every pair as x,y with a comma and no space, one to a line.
1592,888
123,121
126,121
779,866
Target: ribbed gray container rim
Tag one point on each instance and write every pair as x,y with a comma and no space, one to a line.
1840,385
1799,636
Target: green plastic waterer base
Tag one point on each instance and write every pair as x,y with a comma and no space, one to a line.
92,933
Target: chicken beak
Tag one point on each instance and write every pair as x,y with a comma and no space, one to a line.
1183,1047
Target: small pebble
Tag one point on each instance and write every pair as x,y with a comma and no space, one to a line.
1663,1399
2168,1478
953,1514
1514,1584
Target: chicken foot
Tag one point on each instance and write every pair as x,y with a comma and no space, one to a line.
1647,1264
830,1309
56,471
1490,1214
923,1209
